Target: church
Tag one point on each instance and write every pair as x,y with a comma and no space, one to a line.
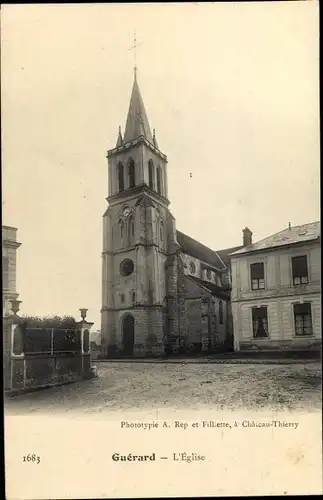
163,292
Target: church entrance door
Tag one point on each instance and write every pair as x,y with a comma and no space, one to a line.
128,332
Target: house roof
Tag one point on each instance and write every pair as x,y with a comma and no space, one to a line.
211,287
289,236
196,249
224,254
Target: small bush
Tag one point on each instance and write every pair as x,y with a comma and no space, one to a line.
67,322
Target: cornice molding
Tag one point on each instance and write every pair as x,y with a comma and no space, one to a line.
139,305
133,248
11,244
132,192
135,143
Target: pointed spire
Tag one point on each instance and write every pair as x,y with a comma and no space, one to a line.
137,122
119,140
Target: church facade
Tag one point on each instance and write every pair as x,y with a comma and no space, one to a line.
162,291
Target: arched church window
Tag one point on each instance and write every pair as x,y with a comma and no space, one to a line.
122,298
121,229
209,274
221,312
133,297
120,177
159,180
151,174
131,230
131,173
161,231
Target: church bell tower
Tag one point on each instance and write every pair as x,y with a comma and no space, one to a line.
136,229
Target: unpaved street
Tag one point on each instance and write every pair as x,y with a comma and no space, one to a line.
126,385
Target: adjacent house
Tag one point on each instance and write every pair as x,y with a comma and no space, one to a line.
276,291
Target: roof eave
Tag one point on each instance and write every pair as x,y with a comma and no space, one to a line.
276,247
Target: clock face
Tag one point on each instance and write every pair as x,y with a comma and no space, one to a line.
126,212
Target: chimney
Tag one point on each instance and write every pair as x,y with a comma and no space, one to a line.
247,237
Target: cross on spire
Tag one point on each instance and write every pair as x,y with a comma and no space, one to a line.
134,48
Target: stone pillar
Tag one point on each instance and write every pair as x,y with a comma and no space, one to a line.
16,362
84,327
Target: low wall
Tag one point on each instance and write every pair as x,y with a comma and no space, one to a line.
45,357
31,372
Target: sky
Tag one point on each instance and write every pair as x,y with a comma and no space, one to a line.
232,90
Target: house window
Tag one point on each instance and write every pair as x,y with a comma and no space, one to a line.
259,322
192,268
300,271
208,274
131,173
257,272
159,180
221,312
120,177
151,174
303,319
5,272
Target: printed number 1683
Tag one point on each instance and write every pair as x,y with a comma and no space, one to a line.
31,458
